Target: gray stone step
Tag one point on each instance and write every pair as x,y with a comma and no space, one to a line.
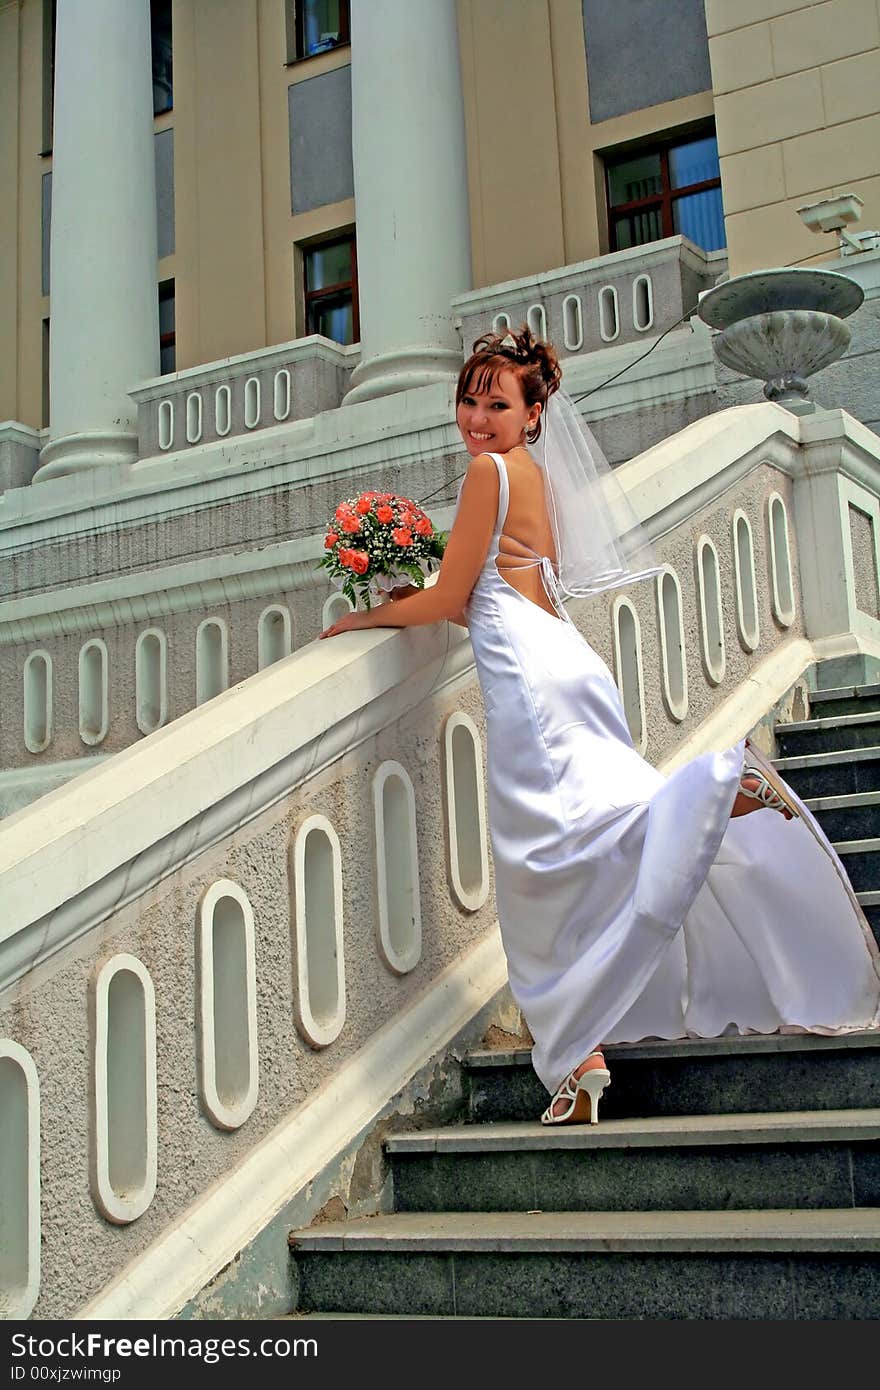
695,1077
833,774
829,735
709,1163
848,699
852,817
673,1131
861,859
635,1265
829,1232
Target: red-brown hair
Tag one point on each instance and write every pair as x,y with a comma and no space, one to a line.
535,363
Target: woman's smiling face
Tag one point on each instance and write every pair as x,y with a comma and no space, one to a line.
493,416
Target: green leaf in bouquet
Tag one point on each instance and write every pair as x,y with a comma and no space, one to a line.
414,571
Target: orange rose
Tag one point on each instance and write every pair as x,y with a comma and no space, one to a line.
360,561
384,513
330,540
423,526
363,505
345,557
402,536
351,525
342,511
407,518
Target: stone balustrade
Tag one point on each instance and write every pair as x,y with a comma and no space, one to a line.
621,298
240,395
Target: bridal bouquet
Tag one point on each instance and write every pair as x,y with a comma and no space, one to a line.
377,542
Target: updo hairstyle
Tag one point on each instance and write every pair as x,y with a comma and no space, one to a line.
535,363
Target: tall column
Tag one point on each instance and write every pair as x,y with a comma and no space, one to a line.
410,185
104,335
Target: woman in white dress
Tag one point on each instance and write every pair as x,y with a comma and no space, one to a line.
631,905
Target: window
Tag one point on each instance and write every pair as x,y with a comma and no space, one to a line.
163,87
167,341
315,26
49,11
160,26
46,378
668,190
331,290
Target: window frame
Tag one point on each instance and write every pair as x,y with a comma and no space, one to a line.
667,196
168,340
164,110
48,69
296,36
331,292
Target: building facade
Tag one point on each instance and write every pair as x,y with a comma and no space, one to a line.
584,128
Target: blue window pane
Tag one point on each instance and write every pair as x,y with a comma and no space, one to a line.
694,162
700,217
321,26
328,265
335,319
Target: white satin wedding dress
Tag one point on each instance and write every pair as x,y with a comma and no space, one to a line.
630,905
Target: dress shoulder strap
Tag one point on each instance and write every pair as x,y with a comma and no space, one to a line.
503,491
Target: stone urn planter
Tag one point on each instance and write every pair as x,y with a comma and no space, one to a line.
782,326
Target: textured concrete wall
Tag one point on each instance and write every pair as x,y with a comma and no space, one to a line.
247,521
640,53
864,550
164,146
320,140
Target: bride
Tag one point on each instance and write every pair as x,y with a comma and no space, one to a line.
631,905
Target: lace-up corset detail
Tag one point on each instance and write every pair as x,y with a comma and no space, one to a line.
530,560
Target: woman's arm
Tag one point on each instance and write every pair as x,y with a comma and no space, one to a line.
462,561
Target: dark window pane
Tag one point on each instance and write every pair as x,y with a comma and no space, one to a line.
638,228
49,17
334,318
328,265
163,91
694,162
322,28
633,179
167,347
45,373
166,308
700,217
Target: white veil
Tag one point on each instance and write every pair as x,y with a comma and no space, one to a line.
600,543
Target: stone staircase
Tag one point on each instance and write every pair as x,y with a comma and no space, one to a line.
728,1178
833,762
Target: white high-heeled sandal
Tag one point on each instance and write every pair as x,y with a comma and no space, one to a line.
591,1083
768,792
